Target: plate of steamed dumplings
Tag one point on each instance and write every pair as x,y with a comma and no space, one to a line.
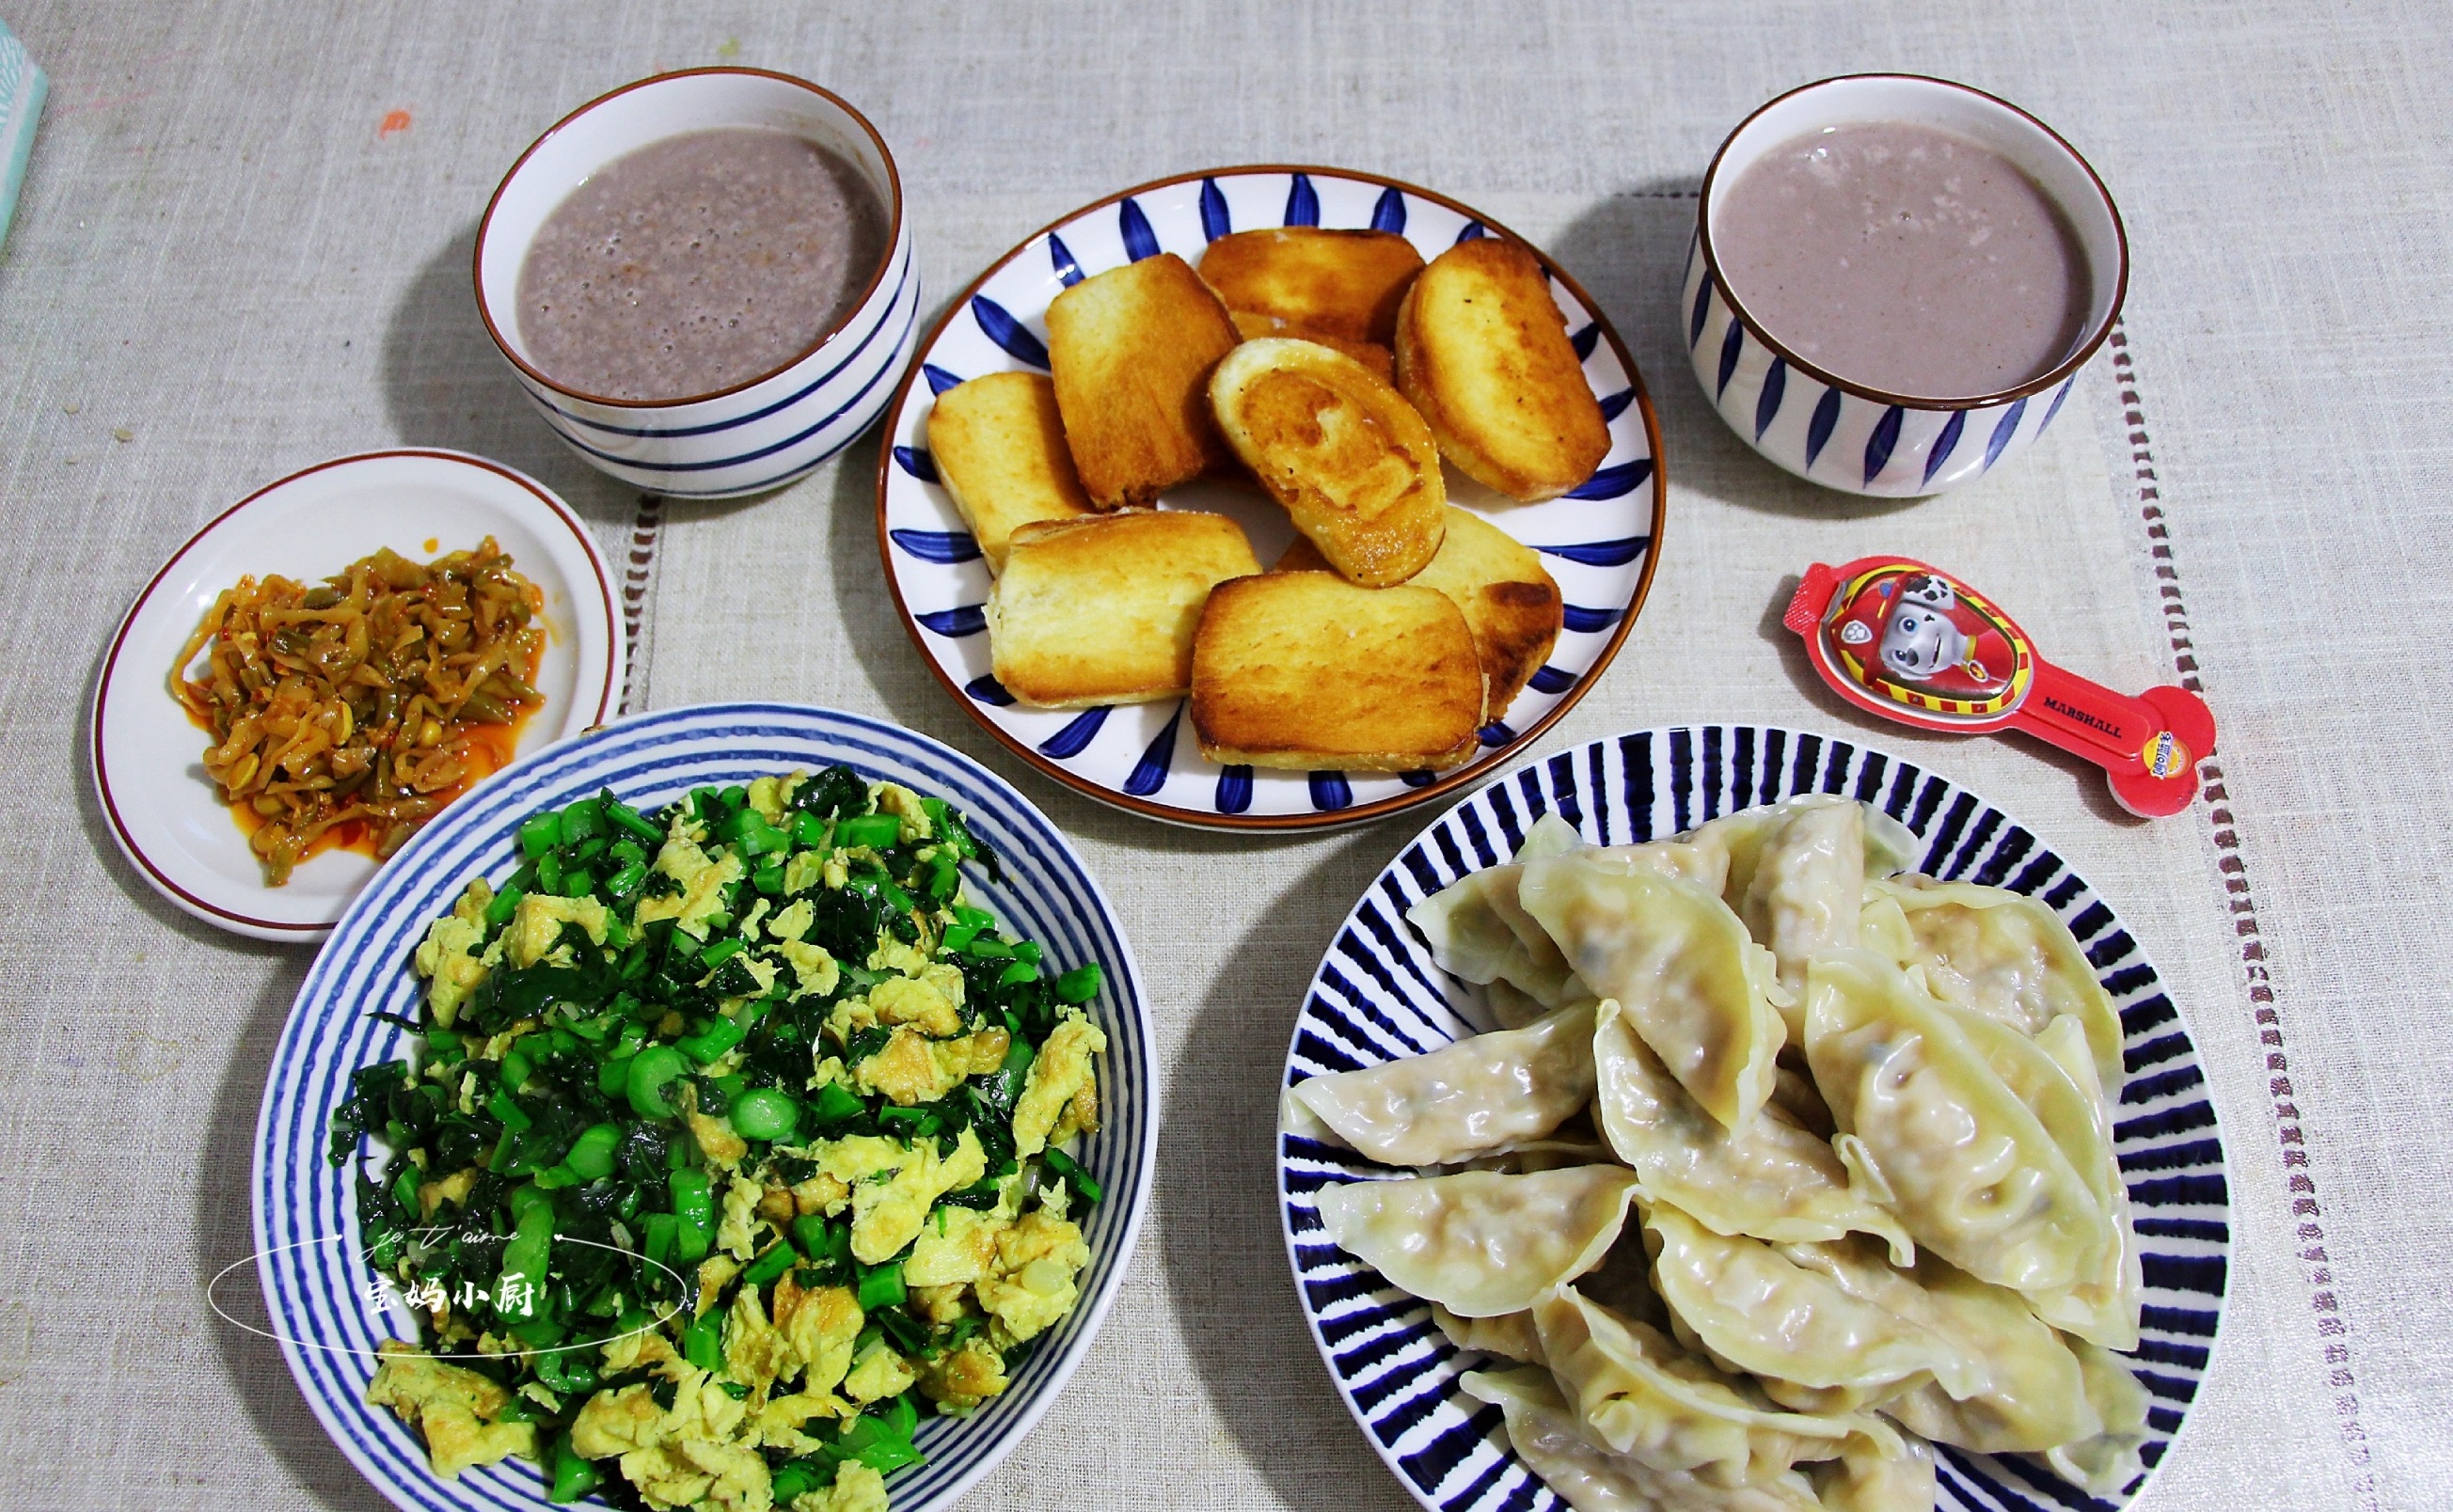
1735,1118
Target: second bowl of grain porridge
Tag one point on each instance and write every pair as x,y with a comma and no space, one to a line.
703,280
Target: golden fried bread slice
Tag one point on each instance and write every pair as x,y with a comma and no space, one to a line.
1510,601
1131,350
1354,463
1381,361
1306,670
1483,352
1102,609
1000,450
1342,284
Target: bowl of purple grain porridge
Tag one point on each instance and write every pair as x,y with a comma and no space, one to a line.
703,280
1895,279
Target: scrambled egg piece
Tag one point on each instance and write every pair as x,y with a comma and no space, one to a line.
538,923
822,1327
756,1353
962,1252
737,1230
811,965
716,1139
450,1407
447,956
856,1488
821,1194
892,1189
685,1456
941,1304
1039,1261
960,1379
879,1374
804,871
918,1003
702,881
894,955
912,1069
646,1348
453,1188
714,1273
904,804
766,796
1062,1096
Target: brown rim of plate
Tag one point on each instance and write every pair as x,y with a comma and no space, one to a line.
119,642
894,237
2078,357
1485,765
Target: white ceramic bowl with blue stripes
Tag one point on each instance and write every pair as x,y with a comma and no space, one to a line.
1851,436
1378,997
314,1277
1598,541
753,436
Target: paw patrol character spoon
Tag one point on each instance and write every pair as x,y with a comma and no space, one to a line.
1916,646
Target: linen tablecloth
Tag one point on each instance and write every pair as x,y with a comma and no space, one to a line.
244,247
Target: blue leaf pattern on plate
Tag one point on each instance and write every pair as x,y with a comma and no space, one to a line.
1585,622
1149,773
1495,733
917,463
989,691
1234,789
1303,201
1473,231
1599,553
1702,307
1140,241
1613,483
1551,679
1586,340
1944,443
2067,384
1008,333
1071,740
1060,257
970,619
1389,213
939,379
1768,406
1731,344
1418,779
943,547
2004,430
1214,219
1879,444
1818,430
1616,404
1331,792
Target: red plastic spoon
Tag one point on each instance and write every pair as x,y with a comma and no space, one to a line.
1908,643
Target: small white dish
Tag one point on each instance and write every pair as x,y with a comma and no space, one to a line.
1848,435
752,437
148,757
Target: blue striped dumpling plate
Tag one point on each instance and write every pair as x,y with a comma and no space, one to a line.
1379,996
316,1278
1596,541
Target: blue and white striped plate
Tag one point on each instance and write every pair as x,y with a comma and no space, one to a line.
1378,997
315,1279
1598,542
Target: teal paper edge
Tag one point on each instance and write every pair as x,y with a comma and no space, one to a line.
21,147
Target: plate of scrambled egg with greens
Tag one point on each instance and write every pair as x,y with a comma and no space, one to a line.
737,1108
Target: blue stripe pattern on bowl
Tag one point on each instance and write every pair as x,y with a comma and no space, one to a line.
313,1277
1378,995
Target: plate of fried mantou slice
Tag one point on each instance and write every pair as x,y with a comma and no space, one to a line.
1271,498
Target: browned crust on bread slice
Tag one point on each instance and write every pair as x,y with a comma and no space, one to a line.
1342,284
999,447
1130,351
1354,463
1103,610
1510,603
1305,671
1483,352
1380,360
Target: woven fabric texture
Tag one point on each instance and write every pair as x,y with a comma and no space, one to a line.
244,247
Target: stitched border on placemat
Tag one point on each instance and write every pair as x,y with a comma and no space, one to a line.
2333,1330
638,577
